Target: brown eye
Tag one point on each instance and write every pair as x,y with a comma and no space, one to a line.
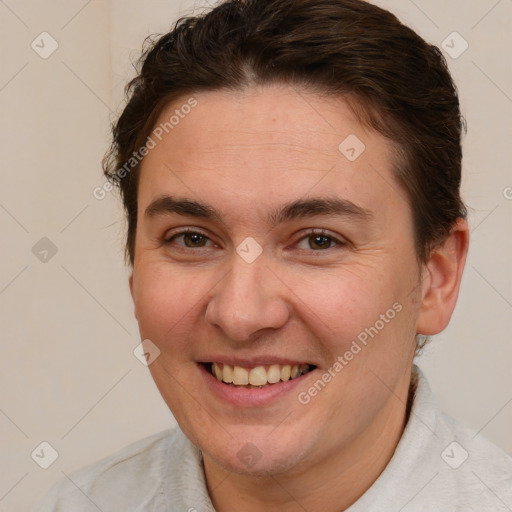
194,240
320,242
189,240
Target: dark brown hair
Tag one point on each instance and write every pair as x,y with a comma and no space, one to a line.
395,82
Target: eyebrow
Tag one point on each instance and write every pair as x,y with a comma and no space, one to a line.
300,208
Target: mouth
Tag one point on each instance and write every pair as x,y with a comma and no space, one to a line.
257,377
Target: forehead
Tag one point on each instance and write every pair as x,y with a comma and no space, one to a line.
264,144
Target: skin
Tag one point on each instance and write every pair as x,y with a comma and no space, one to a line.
246,154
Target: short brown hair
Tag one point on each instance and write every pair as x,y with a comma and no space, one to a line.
396,83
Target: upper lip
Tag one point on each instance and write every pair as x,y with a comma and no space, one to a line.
253,361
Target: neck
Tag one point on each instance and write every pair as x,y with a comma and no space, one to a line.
331,484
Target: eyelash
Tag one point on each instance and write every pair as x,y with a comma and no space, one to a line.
322,232
310,233
182,232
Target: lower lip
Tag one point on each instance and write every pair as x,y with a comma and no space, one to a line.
250,397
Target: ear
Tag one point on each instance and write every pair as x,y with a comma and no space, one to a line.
130,282
441,280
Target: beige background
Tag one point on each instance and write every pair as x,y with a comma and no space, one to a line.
68,375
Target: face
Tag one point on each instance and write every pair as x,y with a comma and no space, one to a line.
266,248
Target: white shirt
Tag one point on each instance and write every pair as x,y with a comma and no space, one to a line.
438,466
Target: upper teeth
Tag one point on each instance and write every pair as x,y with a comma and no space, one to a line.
257,376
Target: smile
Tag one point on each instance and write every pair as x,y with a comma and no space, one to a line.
258,376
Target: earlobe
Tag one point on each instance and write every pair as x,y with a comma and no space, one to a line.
442,280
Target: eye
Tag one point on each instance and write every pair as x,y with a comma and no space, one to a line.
319,240
188,238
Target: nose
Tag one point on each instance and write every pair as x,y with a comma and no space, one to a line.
249,299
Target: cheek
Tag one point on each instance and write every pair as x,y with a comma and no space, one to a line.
361,314
342,303
165,302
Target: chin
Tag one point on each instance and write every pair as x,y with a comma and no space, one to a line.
258,455
250,461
